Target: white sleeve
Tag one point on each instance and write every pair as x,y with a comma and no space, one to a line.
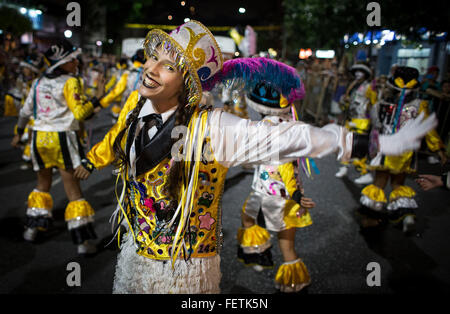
236,141
27,109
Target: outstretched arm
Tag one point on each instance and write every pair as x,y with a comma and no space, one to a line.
237,141
102,154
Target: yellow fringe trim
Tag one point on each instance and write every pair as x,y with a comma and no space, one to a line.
42,200
402,191
253,236
361,165
361,125
291,219
10,107
293,274
80,208
374,193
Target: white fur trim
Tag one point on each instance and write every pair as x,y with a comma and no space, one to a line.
402,202
138,274
366,201
362,67
266,110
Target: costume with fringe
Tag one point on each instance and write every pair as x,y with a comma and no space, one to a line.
57,104
276,192
362,97
129,81
394,109
185,234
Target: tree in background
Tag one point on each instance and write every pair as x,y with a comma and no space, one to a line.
322,24
11,21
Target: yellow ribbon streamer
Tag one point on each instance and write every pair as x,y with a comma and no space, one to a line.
400,83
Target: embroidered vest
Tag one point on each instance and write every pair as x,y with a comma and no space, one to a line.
150,210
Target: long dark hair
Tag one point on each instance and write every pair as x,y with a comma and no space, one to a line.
183,114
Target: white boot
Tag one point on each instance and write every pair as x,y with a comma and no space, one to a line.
365,179
342,172
86,248
408,224
30,234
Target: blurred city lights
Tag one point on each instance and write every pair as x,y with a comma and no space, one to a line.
32,13
23,10
169,17
98,43
186,20
325,54
183,3
242,10
68,33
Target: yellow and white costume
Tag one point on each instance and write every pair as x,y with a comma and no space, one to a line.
222,131
162,230
360,100
57,104
272,189
129,81
391,115
116,74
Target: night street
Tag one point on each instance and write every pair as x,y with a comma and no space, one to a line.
333,248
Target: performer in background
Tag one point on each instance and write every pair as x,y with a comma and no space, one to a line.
172,188
57,104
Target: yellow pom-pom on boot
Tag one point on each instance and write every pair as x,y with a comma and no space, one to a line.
254,247
292,277
401,207
38,215
79,216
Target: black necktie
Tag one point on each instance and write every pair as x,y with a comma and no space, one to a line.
143,139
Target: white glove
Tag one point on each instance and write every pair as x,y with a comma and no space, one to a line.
408,138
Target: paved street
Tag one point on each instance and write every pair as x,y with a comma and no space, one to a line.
333,248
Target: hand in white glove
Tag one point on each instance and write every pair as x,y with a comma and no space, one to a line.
408,138
352,124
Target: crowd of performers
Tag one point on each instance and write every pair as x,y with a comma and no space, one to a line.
170,188
384,105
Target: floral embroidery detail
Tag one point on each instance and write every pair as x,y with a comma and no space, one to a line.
144,226
264,175
206,221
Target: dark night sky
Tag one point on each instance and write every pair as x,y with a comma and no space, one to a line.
217,13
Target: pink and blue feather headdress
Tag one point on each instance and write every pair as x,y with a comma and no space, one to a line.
256,70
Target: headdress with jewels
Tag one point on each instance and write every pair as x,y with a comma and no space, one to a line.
198,56
196,53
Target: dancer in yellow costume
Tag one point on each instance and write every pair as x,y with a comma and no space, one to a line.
57,104
172,188
395,110
31,68
116,74
358,98
129,81
279,195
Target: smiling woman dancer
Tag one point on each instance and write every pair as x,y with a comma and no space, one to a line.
173,206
